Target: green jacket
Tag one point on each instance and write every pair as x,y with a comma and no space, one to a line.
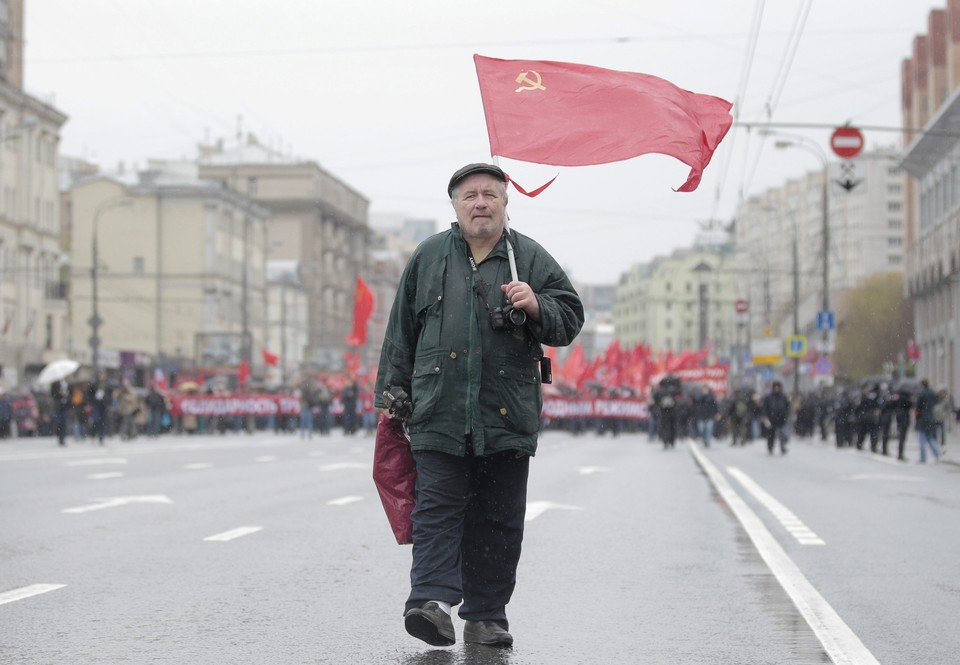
465,377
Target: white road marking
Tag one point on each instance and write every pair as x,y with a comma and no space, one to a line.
114,502
96,462
791,522
234,533
266,458
881,476
344,500
340,466
838,640
317,453
27,592
107,475
196,466
590,470
537,508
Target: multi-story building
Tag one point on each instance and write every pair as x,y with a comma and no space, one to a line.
931,115
598,327
316,220
865,236
33,305
678,302
287,323
179,278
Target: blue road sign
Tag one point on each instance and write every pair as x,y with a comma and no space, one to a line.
823,365
826,321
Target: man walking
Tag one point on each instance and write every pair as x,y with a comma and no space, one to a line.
776,416
464,341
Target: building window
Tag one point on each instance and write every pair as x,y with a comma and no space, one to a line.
893,206
894,242
138,265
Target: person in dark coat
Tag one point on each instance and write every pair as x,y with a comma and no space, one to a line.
867,415
464,340
843,419
926,422
99,397
707,410
738,415
776,417
60,394
898,404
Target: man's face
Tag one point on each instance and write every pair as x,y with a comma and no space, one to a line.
480,204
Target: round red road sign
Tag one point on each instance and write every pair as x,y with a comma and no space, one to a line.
847,142
741,306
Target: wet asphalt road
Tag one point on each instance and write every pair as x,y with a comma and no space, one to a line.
631,555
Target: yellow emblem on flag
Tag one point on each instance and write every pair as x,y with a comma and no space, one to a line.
529,83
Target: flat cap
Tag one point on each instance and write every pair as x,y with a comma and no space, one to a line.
471,169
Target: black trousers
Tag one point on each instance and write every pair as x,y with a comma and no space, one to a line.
467,531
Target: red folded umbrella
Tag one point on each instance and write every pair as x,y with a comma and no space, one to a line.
395,476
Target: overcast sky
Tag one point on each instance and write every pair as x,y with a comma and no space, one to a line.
384,95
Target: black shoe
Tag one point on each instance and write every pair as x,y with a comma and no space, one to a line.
430,624
490,633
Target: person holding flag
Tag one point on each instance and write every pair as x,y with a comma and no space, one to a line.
463,340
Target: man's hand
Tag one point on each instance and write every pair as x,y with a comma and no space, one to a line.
521,296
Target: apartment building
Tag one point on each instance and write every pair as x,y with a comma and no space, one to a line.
33,298
317,220
179,281
930,80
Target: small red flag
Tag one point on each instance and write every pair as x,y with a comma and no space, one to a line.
362,309
270,358
567,114
243,374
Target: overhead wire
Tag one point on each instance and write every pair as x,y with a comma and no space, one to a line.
738,101
779,81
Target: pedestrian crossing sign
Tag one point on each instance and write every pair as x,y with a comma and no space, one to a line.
796,346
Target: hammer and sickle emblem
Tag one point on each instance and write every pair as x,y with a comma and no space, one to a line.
529,83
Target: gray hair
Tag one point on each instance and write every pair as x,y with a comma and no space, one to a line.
455,192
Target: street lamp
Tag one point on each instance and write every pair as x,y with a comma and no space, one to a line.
95,320
814,149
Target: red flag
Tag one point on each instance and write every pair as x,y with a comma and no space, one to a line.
913,351
567,114
362,309
270,358
243,374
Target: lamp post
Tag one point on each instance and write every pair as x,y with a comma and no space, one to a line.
814,149
95,320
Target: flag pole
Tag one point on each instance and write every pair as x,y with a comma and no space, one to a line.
506,227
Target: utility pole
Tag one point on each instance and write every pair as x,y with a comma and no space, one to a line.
95,320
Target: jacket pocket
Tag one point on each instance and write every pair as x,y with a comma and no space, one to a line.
520,400
426,386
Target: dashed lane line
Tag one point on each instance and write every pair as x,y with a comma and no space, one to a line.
344,500
106,475
537,508
96,462
197,466
838,640
789,521
340,466
239,532
27,592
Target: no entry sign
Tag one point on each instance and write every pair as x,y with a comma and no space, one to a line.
847,142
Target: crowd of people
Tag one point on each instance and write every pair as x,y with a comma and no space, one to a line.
874,415
98,408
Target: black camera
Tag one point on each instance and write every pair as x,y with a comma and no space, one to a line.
398,402
507,318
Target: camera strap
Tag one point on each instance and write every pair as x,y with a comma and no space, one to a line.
480,287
